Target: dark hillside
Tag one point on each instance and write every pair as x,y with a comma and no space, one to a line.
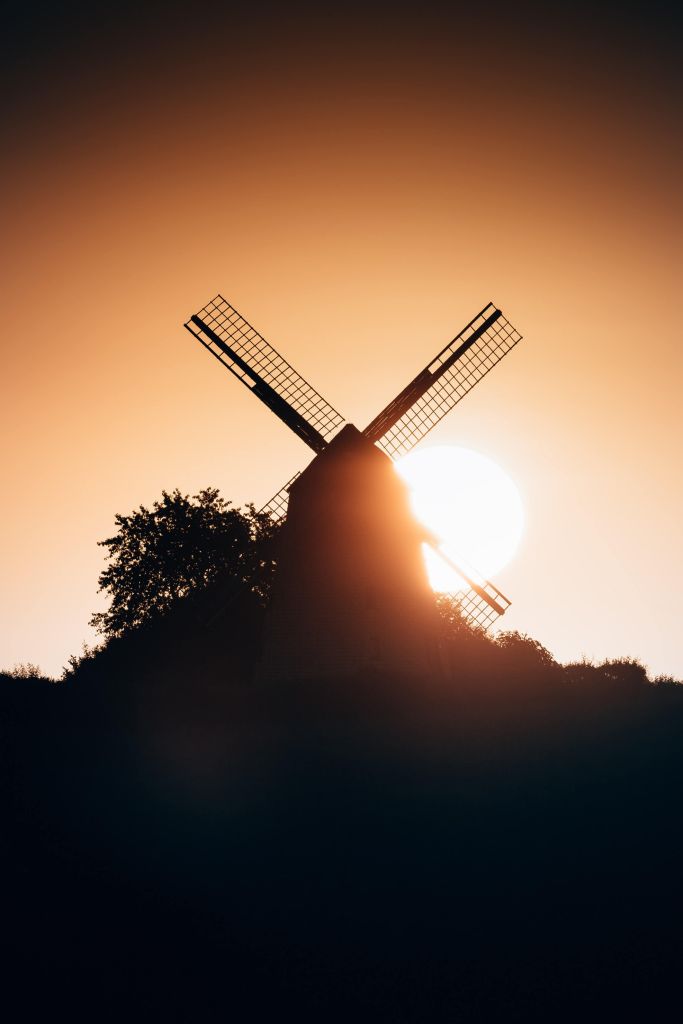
183,843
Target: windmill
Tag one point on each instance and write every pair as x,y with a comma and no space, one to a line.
351,592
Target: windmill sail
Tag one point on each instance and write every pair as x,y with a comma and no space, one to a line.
481,602
420,406
476,610
276,508
247,354
441,385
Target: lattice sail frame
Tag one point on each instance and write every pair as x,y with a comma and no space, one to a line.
480,601
276,508
476,611
246,354
444,382
452,373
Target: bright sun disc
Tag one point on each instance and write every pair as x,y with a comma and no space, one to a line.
471,505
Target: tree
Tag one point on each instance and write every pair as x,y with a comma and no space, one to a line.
179,547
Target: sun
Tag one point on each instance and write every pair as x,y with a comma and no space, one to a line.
470,504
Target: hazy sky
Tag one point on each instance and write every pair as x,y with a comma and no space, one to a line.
358,184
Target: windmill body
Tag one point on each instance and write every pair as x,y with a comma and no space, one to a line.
351,593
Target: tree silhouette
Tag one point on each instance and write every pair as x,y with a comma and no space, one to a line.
178,547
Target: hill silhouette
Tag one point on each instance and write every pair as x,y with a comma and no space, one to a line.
184,841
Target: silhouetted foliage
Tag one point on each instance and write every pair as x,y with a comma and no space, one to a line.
26,670
501,844
619,673
525,650
178,547
666,682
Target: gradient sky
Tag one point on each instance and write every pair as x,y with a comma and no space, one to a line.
359,185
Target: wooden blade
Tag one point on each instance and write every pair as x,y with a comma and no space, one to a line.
250,358
276,508
441,385
481,602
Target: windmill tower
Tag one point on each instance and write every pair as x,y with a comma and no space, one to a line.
351,594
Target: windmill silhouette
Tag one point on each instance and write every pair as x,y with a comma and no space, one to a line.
351,591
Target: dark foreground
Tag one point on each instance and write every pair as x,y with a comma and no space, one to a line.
503,849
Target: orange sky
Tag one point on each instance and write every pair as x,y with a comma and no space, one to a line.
358,201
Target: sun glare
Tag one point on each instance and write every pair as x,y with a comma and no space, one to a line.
470,504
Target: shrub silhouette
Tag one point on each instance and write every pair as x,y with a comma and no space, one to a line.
618,673
525,650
